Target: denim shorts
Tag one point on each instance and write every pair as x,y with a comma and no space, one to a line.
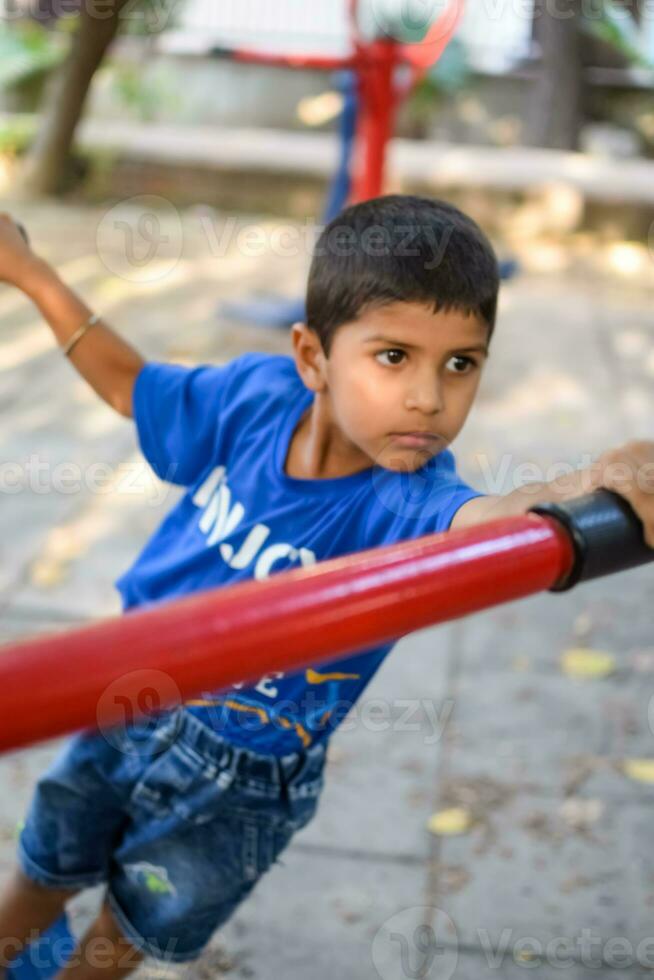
178,822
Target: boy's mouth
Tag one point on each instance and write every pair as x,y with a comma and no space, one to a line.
416,440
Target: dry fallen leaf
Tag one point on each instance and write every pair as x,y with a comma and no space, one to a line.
642,770
455,820
580,813
46,573
525,956
583,663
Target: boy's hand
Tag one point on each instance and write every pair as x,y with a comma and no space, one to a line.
629,471
17,260
104,359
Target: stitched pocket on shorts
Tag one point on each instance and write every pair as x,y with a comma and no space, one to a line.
263,842
302,792
180,782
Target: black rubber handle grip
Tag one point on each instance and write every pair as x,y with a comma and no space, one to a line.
606,534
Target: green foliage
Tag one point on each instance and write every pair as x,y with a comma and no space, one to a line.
144,92
611,23
452,71
150,17
16,133
450,75
27,51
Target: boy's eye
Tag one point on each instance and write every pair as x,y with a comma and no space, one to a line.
457,364
393,356
460,365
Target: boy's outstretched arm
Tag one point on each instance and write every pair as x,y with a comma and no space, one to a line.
108,363
628,470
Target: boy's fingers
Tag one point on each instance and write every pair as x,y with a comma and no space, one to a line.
629,472
643,507
7,219
630,467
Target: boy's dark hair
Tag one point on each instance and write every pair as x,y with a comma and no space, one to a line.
400,248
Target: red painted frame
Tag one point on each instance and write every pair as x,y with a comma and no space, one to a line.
375,64
210,640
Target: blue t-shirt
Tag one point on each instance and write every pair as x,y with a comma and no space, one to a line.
224,433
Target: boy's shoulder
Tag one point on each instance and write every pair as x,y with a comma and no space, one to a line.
186,415
258,390
256,363
265,377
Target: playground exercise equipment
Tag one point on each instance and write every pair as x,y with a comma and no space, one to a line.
212,639
374,77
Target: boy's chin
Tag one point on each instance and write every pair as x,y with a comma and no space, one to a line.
406,460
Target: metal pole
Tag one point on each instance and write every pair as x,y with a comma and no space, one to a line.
212,640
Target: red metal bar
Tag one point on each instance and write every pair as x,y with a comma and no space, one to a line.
427,52
380,92
208,641
378,98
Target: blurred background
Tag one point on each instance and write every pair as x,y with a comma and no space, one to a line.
174,160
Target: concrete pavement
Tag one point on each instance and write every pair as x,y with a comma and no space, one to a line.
544,764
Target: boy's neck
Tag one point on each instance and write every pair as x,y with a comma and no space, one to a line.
318,450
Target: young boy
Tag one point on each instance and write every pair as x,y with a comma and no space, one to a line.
285,461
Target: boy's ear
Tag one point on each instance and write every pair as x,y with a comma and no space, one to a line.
309,356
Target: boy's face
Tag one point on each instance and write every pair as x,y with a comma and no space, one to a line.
398,384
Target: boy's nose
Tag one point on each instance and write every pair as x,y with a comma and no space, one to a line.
426,397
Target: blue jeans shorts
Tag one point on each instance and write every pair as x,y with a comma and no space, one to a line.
179,822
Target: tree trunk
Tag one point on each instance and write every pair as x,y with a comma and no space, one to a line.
45,167
555,103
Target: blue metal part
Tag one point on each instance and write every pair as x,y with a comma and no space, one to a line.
274,311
